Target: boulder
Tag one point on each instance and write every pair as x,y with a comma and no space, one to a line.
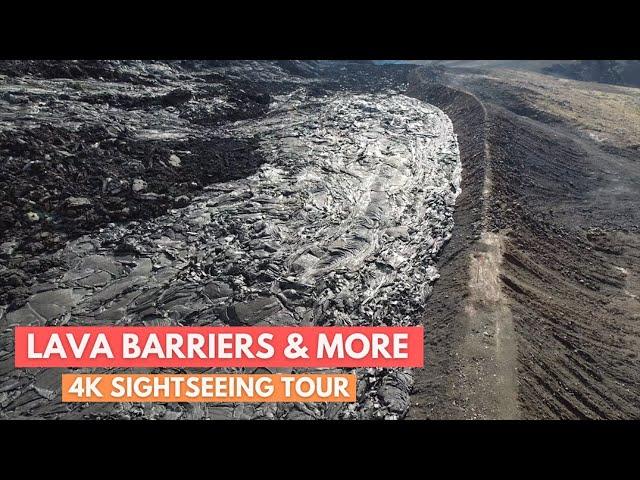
176,97
253,312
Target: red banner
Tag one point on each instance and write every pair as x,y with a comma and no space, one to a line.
313,347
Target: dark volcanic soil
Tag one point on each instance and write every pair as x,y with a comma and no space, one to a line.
434,395
557,336
569,211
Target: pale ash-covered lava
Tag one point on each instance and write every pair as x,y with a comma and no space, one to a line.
354,203
340,226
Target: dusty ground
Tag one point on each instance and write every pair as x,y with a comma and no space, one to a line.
547,324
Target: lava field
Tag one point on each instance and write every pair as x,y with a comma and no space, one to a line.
347,198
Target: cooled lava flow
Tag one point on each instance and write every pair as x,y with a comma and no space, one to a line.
340,225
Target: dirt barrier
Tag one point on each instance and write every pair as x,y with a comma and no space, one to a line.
535,314
463,378
570,268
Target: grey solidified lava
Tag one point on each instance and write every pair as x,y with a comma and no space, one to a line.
340,226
